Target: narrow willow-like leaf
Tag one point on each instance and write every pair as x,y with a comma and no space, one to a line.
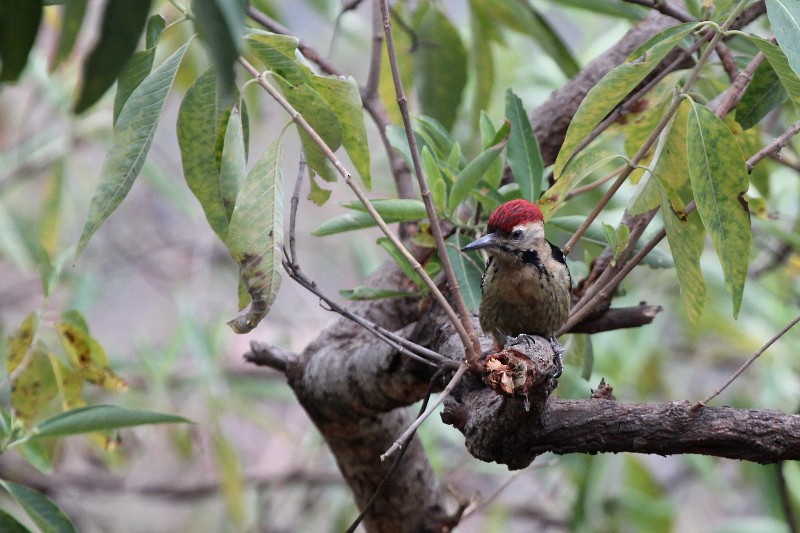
133,134
139,66
322,118
202,125
122,26
440,66
72,18
523,153
575,172
471,174
98,418
764,94
233,164
255,237
220,24
468,268
480,54
779,62
401,261
19,24
784,16
686,244
362,293
277,52
400,210
343,97
44,513
719,181
614,86
436,182
523,17
9,524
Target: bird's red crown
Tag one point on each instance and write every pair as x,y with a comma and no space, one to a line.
512,214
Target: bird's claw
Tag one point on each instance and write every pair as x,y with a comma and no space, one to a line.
558,350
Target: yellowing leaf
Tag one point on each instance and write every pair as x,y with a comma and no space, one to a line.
614,86
719,181
86,354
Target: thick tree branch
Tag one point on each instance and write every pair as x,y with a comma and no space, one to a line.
499,429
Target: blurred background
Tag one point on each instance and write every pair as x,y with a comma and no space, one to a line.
157,287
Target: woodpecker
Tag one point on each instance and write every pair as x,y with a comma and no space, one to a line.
526,284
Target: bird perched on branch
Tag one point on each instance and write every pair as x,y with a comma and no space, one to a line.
526,284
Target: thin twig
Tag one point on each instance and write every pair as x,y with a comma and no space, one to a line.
773,147
469,338
402,439
595,184
734,93
293,207
375,54
747,363
666,8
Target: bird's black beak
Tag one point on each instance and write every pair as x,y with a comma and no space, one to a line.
487,241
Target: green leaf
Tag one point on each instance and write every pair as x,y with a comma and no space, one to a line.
317,194
44,513
343,97
614,86
98,418
139,66
71,20
220,24
362,293
122,26
784,16
524,18
37,456
202,125
777,59
670,167
481,59
470,175
401,261
233,164
19,24
494,176
440,65
719,181
436,182
523,153
322,118
255,236
277,52
579,168
133,134
400,210
764,94
434,135
468,269
9,524
685,237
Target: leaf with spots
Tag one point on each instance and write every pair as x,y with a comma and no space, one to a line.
85,354
255,236
34,385
719,181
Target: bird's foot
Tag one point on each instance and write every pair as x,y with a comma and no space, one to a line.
558,350
519,339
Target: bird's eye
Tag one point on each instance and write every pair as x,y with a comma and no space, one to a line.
516,234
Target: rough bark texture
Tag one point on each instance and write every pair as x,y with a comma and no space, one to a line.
499,429
351,384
